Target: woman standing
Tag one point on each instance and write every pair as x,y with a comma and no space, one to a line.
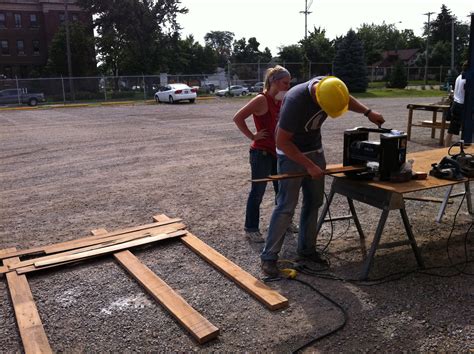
264,108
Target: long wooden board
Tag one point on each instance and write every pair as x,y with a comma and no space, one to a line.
72,243
329,170
266,295
32,333
197,325
94,244
106,250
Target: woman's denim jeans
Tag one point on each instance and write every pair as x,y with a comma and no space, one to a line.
287,199
262,164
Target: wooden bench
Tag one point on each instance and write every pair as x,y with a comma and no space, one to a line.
433,124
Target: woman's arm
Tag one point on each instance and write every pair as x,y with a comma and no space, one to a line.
258,106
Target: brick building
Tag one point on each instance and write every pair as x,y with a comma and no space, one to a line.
27,28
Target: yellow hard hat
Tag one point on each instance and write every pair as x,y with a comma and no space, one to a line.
333,96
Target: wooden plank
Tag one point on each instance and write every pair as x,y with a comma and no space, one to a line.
266,295
106,250
98,243
32,333
198,326
66,245
331,169
3,269
426,199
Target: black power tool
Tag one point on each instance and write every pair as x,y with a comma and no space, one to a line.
465,161
448,168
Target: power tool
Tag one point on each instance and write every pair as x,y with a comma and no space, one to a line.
388,154
448,168
465,161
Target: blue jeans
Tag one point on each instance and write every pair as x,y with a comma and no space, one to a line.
287,199
262,164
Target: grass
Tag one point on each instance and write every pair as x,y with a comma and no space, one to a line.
386,93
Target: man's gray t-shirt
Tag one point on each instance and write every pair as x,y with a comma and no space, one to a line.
302,116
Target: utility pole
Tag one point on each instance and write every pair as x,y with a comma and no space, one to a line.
306,13
68,50
452,45
427,46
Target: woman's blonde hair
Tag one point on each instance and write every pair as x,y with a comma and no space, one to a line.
276,73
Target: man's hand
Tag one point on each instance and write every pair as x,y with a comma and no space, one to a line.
315,171
376,118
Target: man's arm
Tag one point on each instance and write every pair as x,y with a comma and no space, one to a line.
357,106
285,144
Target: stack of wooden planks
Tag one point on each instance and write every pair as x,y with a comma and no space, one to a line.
118,244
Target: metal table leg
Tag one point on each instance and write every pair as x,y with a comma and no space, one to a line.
442,208
375,243
411,237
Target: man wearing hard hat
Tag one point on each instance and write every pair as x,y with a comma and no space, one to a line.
299,148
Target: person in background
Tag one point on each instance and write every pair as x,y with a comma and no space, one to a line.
264,108
457,107
299,149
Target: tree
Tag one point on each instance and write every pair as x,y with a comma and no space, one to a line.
82,52
398,77
349,63
317,47
134,33
221,42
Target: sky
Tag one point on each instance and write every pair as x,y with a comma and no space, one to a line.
276,23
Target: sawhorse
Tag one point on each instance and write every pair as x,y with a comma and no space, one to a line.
383,199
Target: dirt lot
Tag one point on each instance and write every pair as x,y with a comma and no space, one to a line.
67,171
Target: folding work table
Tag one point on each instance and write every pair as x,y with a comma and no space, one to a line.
389,196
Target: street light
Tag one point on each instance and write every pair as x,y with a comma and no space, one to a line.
427,43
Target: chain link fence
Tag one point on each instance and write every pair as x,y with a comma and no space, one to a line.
143,87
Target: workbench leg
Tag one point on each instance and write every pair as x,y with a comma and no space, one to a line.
411,237
467,188
443,123
324,211
433,130
358,226
410,119
442,208
375,243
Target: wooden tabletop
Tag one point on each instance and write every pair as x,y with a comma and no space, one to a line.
428,106
422,163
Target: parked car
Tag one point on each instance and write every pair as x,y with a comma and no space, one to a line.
176,92
11,96
258,87
234,90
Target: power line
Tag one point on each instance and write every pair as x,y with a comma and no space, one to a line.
427,44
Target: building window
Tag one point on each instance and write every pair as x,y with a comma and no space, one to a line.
33,20
61,18
2,20
36,47
18,20
20,47
5,49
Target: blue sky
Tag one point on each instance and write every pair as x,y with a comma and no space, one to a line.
279,22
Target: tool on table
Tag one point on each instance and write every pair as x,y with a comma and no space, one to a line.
384,158
327,171
465,161
447,168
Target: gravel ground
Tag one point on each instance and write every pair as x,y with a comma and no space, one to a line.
65,172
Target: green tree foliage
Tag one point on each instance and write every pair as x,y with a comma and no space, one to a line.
291,54
349,63
398,76
135,33
379,38
221,42
317,47
82,52
190,57
247,52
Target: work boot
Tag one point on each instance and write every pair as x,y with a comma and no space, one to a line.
270,268
314,257
254,236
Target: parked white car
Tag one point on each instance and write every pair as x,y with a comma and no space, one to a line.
176,92
234,90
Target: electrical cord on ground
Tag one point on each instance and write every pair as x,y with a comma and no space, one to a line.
339,327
